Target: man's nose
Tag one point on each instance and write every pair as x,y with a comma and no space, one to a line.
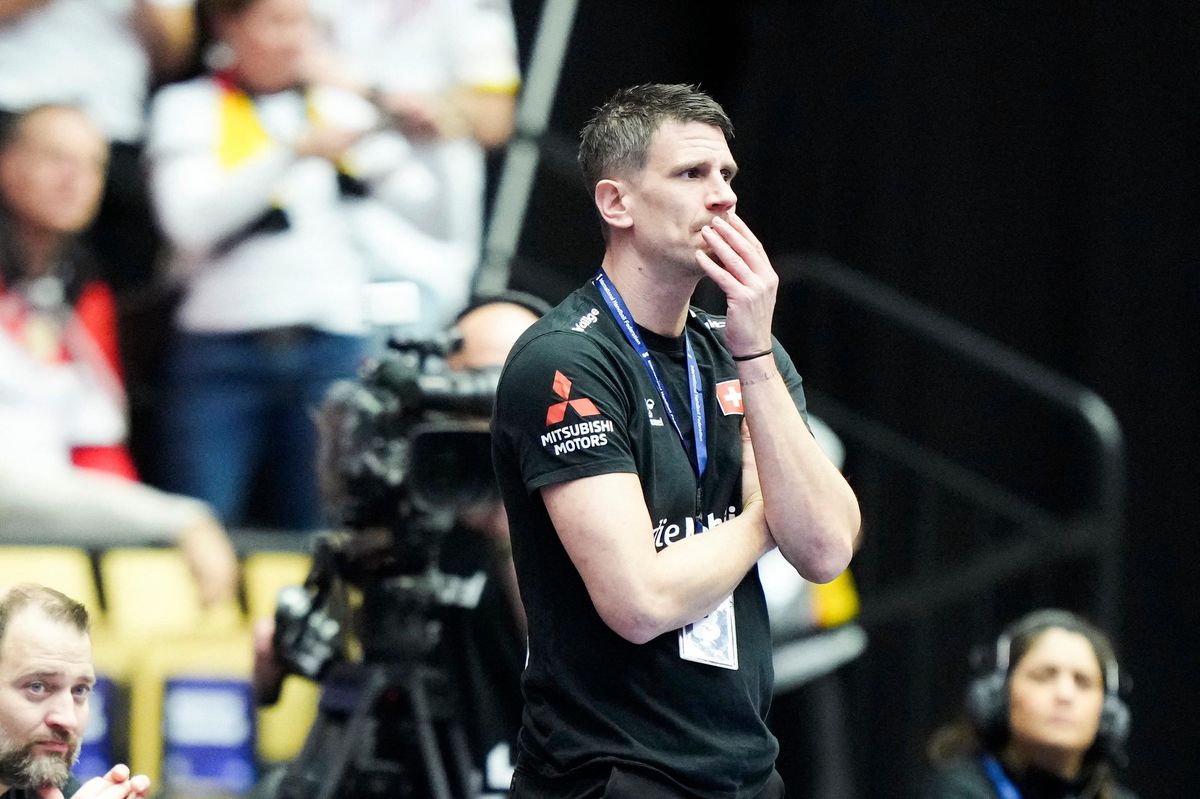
66,714
722,196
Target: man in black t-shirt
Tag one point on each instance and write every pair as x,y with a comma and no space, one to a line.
637,506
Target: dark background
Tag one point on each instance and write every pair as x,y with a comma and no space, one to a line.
1025,168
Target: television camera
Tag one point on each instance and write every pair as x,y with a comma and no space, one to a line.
403,450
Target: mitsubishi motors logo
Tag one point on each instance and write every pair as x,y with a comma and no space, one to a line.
558,411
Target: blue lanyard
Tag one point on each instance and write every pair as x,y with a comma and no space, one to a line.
996,774
620,313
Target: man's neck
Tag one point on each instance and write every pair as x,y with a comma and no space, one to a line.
658,302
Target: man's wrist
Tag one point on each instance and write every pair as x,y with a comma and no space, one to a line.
762,377
753,355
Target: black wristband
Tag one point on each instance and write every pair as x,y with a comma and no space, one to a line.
752,355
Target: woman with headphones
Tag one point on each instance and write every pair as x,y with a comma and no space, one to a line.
1045,722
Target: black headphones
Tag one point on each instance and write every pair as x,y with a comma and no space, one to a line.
987,694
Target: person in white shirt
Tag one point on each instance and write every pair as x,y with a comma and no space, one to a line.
446,74
265,184
65,473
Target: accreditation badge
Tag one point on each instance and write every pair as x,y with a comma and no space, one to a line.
713,639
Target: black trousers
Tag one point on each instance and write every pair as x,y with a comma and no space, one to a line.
617,782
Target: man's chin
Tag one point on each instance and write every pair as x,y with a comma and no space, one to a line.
29,770
50,771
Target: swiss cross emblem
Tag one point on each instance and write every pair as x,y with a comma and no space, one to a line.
729,396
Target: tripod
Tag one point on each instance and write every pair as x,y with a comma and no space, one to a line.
388,726
362,744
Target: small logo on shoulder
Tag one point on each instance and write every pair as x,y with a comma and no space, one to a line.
586,321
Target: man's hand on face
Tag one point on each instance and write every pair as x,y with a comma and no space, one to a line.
741,269
116,784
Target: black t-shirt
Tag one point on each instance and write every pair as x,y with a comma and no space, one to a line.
574,401
68,789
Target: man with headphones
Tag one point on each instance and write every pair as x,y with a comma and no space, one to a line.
1045,719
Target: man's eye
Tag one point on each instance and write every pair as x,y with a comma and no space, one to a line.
37,687
83,691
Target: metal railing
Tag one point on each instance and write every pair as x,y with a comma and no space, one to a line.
960,534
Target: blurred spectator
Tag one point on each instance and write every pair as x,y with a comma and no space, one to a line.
1045,719
446,74
265,188
65,473
103,56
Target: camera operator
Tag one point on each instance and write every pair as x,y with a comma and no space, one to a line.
485,644
482,640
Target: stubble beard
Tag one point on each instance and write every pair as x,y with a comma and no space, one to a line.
21,768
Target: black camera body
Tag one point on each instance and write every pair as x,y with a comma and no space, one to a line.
410,437
403,451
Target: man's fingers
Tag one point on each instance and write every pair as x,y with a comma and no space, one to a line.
741,227
739,237
729,257
118,773
733,241
116,784
719,274
109,788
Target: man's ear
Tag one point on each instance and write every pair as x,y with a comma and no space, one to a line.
610,199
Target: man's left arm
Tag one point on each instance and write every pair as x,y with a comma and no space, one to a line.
810,509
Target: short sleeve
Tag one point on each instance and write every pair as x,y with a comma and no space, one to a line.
562,411
791,378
